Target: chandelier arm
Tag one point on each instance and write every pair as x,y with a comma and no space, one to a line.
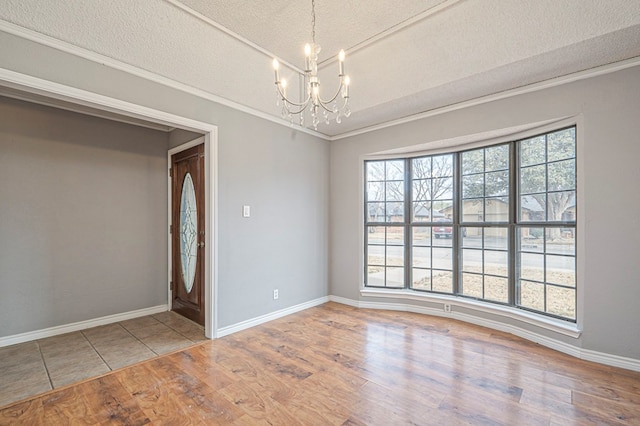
302,107
286,100
334,96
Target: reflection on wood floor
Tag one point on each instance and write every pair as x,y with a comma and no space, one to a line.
334,364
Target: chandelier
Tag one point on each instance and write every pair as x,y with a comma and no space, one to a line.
313,100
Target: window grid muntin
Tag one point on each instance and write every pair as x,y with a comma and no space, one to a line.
544,282
481,173
513,224
445,171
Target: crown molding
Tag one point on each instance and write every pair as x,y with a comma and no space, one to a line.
98,58
121,66
546,84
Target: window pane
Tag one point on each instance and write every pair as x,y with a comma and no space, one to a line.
375,170
376,234
561,241
472,260
395,256
561,270
395,212
496,263
442,258
473,186
422,236
473,210
532,208
497,183
496,288
533,151
421,279
395,170
395,277
422,190
471,237
496,209
496,238
442,166
472,162
375,191
442,188
421,168
422,257
533,179
562,175
422,211
532,266
561,206
376,212
395,235
531,239
561,301
395,191
561,144
531,295
442,281
497,158
375,276
375,255
472,285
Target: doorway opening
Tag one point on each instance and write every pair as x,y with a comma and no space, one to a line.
25,87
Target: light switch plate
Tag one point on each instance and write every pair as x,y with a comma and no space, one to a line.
246,211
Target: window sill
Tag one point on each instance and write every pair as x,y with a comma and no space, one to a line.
551,324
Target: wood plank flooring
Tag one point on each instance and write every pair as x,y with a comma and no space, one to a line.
338,365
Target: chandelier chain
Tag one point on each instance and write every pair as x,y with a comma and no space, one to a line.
313,21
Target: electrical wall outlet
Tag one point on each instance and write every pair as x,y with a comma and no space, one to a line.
275,294
447,307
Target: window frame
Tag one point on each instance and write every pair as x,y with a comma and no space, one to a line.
513,225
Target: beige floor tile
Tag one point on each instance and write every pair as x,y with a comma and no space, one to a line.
71,358
31,368
151,330
76,370
123,351
162,339
65,344
19,354
22,372
139,323
184,326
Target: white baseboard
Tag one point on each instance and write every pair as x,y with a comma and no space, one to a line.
586,354
225,331
81,325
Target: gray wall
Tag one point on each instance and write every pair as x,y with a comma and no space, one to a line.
82,217
281,173
609,149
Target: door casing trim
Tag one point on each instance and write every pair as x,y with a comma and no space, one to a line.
210,190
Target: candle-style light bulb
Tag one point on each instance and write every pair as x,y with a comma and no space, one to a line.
345,90
341,62
307,57
276,65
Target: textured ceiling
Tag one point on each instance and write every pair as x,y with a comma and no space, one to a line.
404,58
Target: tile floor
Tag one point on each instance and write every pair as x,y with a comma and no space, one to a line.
30,368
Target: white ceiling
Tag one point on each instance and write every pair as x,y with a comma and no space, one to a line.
404,58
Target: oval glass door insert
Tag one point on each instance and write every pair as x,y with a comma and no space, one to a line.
188,232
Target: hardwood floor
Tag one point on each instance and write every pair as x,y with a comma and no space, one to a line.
338,365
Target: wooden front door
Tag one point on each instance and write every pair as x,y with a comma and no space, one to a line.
188,233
